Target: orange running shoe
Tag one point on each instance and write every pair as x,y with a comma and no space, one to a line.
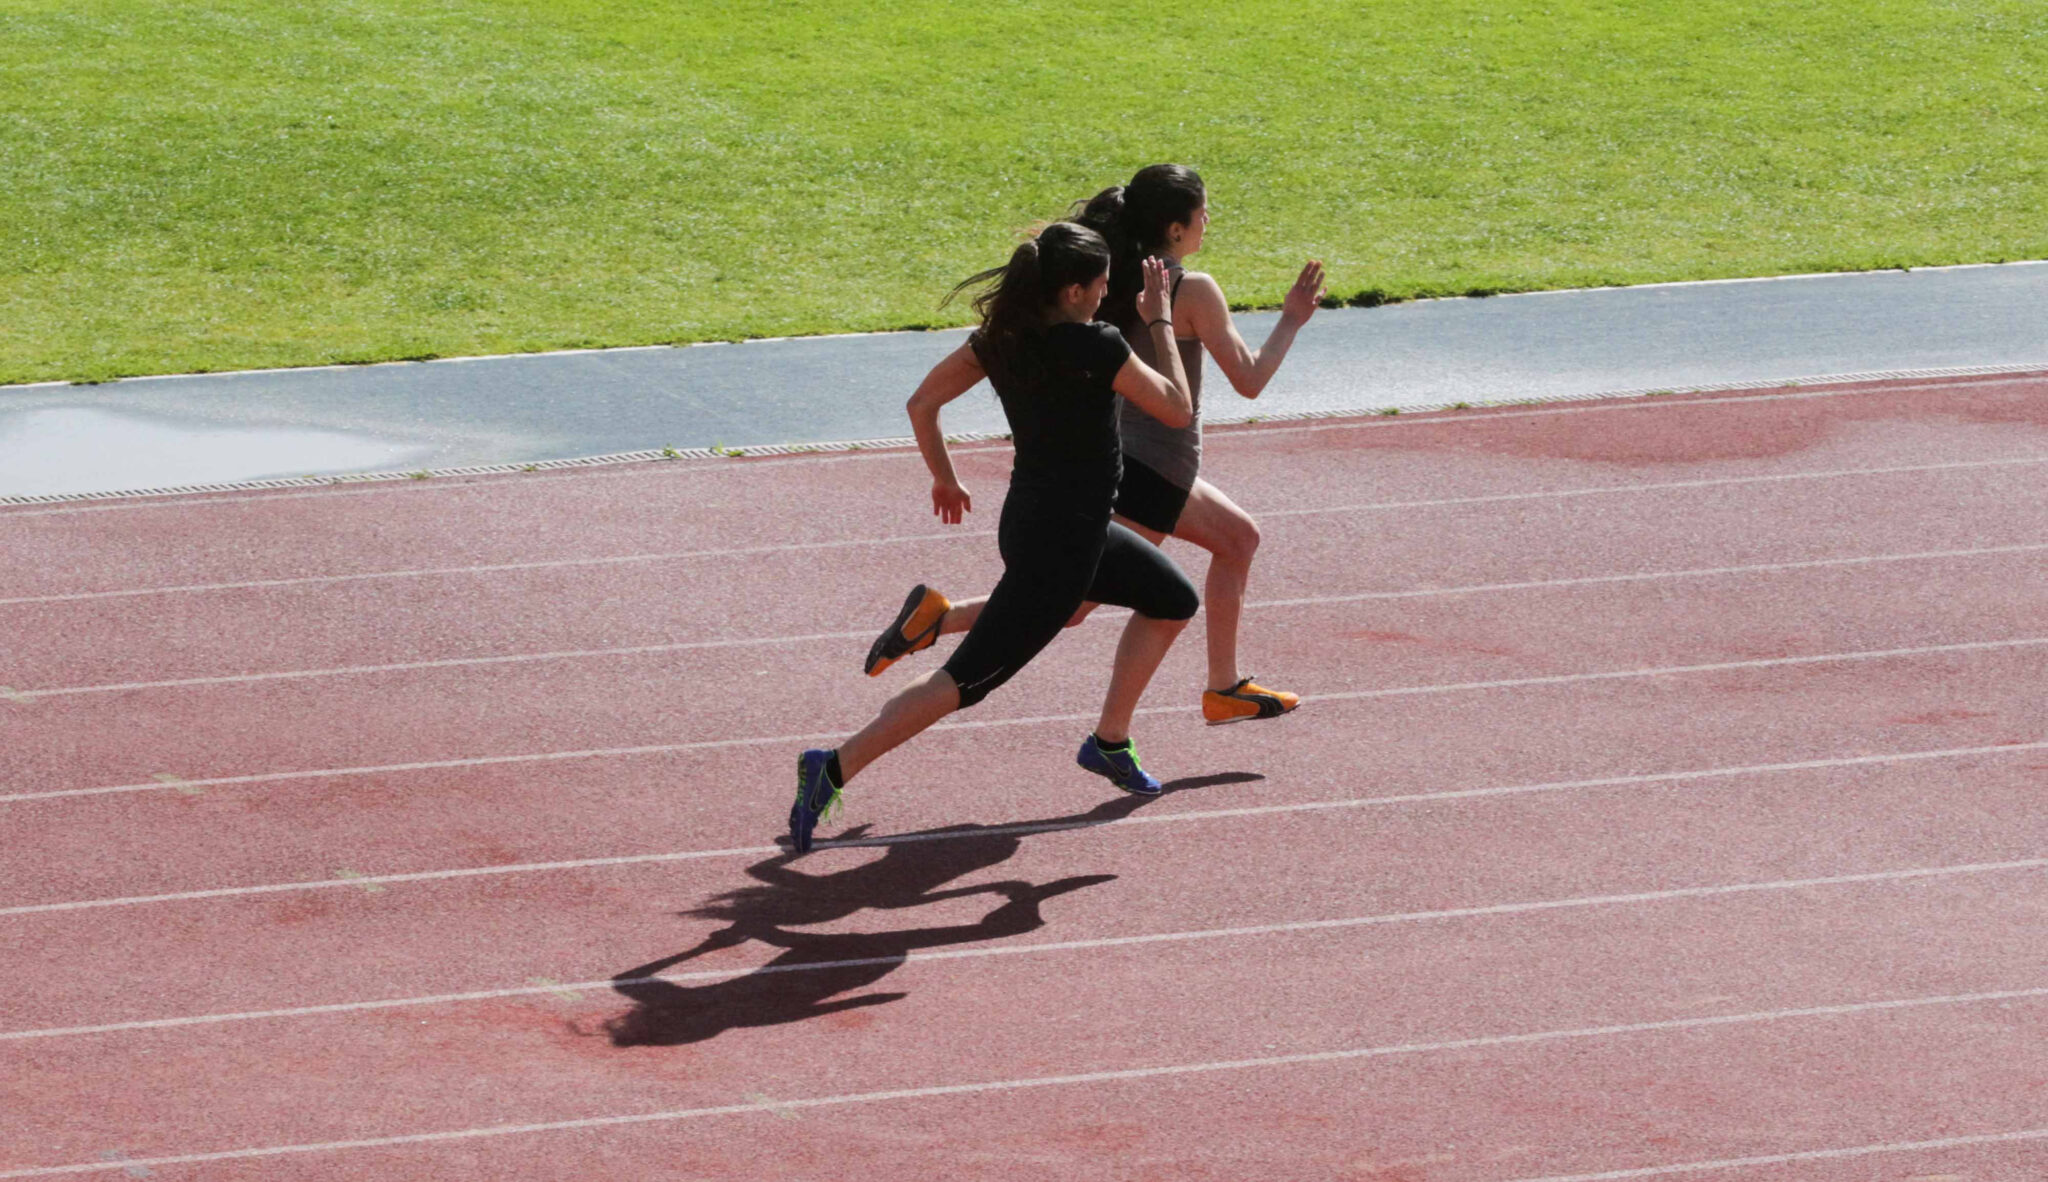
916,627
1245,701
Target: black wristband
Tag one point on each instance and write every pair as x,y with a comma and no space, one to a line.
1165,320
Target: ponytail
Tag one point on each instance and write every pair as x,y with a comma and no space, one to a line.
1134,219
1014,296
1101,213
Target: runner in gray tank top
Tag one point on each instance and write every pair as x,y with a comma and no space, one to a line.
1172,454
1163,213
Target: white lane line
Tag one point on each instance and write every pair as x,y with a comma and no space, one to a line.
1034,720
1659,486
416,766
771,1106
1917,874
1775,1159
1853,385
1042,827
1564,678
30,695
499,567
442,663
2023,376
1652,576
906,539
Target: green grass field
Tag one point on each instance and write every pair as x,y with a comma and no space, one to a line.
218,184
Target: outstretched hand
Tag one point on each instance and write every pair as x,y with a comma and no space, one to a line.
1305,296
950,501
1154,302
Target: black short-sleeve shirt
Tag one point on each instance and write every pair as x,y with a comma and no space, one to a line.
1061,402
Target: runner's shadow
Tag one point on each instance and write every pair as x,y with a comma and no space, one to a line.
815,968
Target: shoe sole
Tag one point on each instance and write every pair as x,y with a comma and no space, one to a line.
802,845
798,839
878,660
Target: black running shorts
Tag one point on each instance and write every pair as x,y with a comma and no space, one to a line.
1146,497
1055,558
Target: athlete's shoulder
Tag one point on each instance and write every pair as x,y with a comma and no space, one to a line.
1105,333
1200,305
1102,349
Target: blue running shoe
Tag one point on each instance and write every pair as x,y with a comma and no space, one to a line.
816,798
1120,766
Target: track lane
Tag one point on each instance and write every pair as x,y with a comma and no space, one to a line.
68,647
643,698
1581,1102
1683,1026
300,826
269,951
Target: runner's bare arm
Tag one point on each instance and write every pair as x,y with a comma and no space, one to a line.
953,376
1203,307
1163,396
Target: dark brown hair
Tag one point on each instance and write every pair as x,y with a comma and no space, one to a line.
1015,295
1134,218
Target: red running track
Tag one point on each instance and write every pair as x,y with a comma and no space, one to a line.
1665,804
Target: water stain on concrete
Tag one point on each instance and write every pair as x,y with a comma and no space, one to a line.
53,450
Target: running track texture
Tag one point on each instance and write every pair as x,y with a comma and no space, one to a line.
1665,802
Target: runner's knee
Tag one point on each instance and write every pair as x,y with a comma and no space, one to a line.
1175,600
1240,540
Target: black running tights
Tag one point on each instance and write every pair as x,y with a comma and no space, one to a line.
1055,558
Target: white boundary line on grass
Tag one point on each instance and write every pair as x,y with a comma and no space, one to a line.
186,784
950,535
902,447
1481,911
903,332
1902,271
24,696
1480,1042
362,880
342,366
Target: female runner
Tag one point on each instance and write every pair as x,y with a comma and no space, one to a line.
1058,374
1162,214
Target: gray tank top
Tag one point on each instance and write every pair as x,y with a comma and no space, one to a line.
1173,452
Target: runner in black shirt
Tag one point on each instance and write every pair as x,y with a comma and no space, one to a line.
1057,373
1164,211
